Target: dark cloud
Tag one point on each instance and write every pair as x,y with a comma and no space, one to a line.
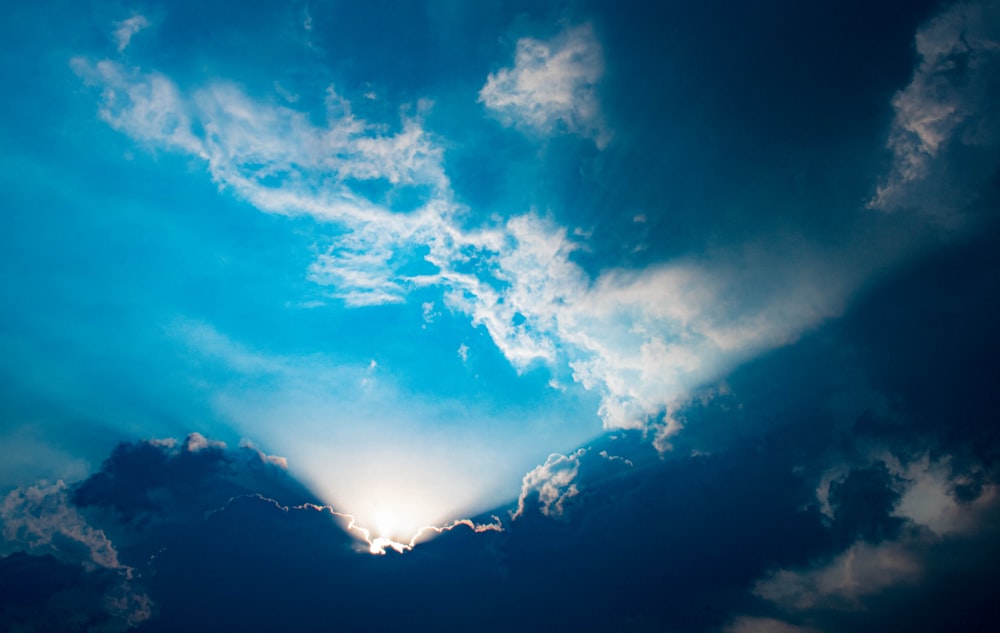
144,481
44,594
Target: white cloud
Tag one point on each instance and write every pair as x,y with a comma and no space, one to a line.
126,29
927,493
429,312
274,460
616,458
197,442
949,100
644,339
552,482
551,84
279,161
928,497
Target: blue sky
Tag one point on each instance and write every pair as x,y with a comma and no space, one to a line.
440,257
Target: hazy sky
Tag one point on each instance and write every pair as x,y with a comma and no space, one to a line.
536,263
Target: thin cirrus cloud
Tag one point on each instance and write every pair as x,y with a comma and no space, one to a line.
127,29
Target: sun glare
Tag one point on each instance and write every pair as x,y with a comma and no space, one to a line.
386,524
395,495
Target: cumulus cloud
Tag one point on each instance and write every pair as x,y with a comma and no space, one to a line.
919,490
950,103
929,497
40,520
154,485
274,460
551,484
552,86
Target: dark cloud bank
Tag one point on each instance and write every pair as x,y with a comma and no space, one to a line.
781,505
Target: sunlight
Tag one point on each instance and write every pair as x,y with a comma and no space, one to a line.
400,506
396,496
386,523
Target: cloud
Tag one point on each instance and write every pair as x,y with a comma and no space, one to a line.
930,499
551,484
41,593
248,144
551,87
278,160
126,29
748,624
39,519
948,107
274,460
645,339
862,570
41,526
155,487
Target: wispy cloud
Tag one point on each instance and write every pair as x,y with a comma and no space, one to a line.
552,86
126,29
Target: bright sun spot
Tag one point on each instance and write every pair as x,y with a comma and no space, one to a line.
386,524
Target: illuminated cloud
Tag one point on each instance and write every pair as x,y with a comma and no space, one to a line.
864,569
551,87
39,519
948,104
551,485
42,521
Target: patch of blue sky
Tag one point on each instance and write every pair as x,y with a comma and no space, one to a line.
131,248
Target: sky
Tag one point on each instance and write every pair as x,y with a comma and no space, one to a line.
663,316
